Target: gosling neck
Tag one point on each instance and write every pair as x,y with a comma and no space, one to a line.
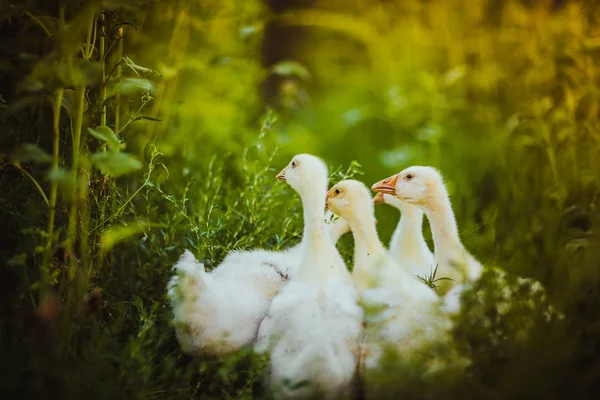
443,226
318,247
366,241
313,204
409,232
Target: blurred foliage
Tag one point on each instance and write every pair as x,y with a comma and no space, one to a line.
134,129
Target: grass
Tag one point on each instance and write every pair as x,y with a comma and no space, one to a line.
431,279
130,133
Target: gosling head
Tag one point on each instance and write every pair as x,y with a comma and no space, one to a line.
348,198
419,186
305,173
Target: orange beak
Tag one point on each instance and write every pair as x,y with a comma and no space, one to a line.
281,176
378,199
387,185
327,200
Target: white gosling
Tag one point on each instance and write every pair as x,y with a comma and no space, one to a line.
219,312
313,327
410,316
424,187
407,243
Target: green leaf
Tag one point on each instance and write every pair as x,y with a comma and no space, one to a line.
86,74
115,164
52,74
146,117
138,69
66,182
107,135
69,102
135,85
31,153
110,237
19,260
137,300
291,68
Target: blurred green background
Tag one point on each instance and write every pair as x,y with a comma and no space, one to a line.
200,103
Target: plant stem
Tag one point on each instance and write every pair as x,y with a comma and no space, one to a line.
77,126
39,22
131,118
120,210
101,58
57,104
119,57
119,72
104,193
91,39
98,27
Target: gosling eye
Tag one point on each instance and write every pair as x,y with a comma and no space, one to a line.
409,176
294,164
337,191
